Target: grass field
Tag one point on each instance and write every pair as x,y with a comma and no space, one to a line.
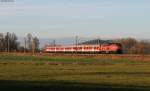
73,73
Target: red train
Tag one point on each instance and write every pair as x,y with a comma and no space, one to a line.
110,48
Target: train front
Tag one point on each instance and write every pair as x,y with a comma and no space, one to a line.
116,48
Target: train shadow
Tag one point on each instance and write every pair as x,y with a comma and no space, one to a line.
6,85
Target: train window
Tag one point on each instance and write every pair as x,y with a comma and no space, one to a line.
96,48
74,48
80,48
62,48
52,48
66,48
90,48
57,48
107,48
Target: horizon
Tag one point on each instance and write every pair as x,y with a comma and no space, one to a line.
64,18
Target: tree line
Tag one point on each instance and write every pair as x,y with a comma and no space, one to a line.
130,45
9,43
134,46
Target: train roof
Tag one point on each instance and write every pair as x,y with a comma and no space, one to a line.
83,45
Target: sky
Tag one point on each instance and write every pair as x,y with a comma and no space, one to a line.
67,18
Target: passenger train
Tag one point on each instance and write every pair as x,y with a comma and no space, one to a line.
109,48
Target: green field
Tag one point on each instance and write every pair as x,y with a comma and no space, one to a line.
52,73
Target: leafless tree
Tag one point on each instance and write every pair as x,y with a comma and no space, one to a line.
29,42
36,44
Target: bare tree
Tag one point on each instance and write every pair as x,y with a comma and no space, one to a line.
9,42
14,44
1,42
133,46
36,43
143,47
127,44
29,42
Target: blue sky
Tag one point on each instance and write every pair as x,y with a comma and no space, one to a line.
86,18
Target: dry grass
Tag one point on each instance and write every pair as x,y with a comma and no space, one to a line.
76,72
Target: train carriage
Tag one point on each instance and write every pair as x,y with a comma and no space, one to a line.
103,48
